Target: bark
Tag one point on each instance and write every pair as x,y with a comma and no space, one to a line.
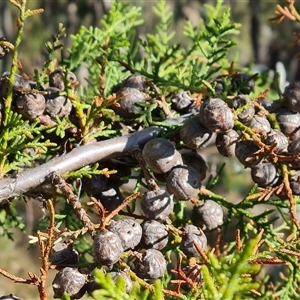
76,159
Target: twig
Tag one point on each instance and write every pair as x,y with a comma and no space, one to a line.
101,210
238,244
77,158
267,261
15,278
126,66
201,252
121,206
46,251
73,200
218,242
290,196
290,252
185,277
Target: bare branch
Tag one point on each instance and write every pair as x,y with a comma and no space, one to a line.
76,159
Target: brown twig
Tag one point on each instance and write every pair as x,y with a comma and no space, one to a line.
73,200
238,244
34,280
126,66
184,278
267,261
51,227
290,196
174,230
201,252
289,252
121,206
273,289
265,193
15,278
218,242
42,283
101,211
45,252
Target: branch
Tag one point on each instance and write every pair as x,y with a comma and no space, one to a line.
76,159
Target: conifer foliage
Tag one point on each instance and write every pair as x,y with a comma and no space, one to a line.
132,210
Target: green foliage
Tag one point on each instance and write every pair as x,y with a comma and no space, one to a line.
18,135
51,47
116,290
224,276
169,65
17,141
66,296
110,53
110,40
9,219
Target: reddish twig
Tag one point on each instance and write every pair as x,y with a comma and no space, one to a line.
183,277
201,252
16,279
101,211
289,252
73,200
121,206
267,261
238,243
290,196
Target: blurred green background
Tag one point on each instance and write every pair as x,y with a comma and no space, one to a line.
260,42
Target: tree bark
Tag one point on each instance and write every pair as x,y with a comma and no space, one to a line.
76,159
